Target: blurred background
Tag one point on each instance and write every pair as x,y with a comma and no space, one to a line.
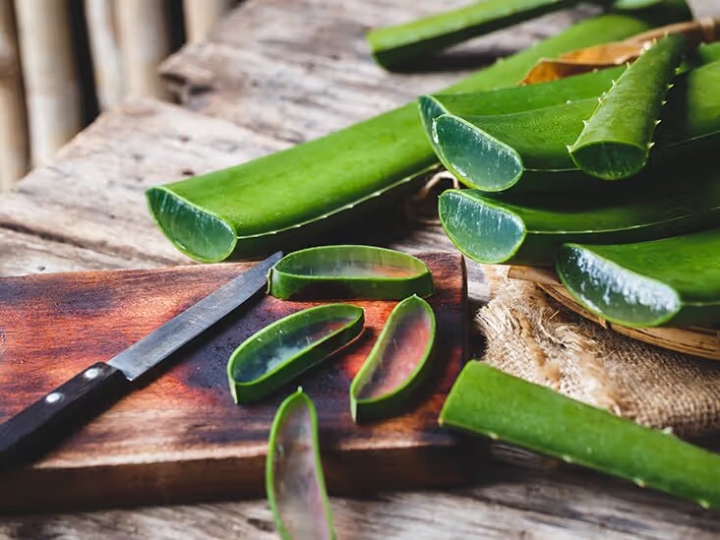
62,62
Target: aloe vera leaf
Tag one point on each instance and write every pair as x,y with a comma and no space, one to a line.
669,282
394,45
335,272
704,54
288,197
293,473
288,347
493,153
487,401
537,96
529,230
615,141
398,364
516,98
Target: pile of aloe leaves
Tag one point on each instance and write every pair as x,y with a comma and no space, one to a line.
624,170
606,175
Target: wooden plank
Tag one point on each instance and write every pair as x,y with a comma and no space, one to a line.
508,503
93,195
30,254
302,69
180,437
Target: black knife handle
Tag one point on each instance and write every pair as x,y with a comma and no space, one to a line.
30,431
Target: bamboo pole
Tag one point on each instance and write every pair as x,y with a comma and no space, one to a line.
51,85
144,43
105,52
13,125
201,16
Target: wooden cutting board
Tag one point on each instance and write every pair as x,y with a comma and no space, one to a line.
179,436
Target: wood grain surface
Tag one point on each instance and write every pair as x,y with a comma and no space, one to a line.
179,436
272,73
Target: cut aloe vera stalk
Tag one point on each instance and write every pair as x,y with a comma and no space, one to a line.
293,473
287,198
487,401
669,282
493,153
517,98
335,272
398,363
615,141
537,96
529,231
286,348
394,45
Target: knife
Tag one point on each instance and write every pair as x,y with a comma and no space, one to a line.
79,398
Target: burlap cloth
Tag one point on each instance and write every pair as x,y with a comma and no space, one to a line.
531,336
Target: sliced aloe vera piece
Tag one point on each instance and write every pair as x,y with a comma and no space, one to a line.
281,351
286,198
398,363
293,473
673,282
493,153
487,401
335,272
615,141
530,230
394,45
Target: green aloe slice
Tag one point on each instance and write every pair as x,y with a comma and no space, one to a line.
286,348
530,230
494,152
398,364
487,401
394,45
615,142
335,272
293,473
286,198
674,281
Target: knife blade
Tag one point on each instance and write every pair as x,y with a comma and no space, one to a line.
78,398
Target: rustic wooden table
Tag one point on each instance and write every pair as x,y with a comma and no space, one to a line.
272,74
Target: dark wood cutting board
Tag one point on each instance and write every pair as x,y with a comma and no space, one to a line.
179,436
